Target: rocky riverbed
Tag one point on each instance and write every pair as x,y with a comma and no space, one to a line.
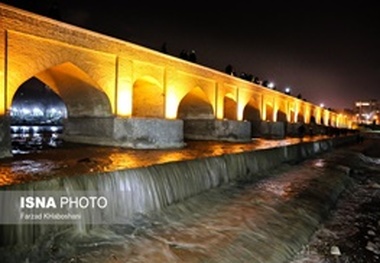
352,233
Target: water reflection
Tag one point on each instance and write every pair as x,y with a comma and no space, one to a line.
70,159
31,138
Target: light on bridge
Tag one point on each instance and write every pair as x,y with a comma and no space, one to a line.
124,103
171,106
271,85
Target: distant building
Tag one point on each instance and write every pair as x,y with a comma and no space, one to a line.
367,112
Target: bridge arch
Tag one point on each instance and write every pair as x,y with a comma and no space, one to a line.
269,110
313,120
195,105
282,112
301,117
251,110
148,98
81,95
230,107
292,112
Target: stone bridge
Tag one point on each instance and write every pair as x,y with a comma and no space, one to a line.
120,93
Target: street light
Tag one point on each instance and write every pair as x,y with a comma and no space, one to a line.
271,85
287,90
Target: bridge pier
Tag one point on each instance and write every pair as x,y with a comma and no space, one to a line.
310,129
212,129
5,137
137,133
272,130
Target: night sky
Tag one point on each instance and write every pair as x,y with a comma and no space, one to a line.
327,52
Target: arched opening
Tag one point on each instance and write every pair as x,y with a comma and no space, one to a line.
148,98
251,113
195,105
300,118
85,101
292,116
230,108
312,120
269,112
82,96
281,116
37,114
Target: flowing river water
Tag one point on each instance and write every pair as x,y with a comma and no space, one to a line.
231,208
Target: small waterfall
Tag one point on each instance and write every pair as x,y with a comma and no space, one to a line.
135,193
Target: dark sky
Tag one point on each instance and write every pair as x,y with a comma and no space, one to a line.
328,52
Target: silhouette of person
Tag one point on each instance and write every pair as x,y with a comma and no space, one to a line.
184,55
164,48
192,56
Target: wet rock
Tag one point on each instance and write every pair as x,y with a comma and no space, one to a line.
371,233
375,185
373,248
334,250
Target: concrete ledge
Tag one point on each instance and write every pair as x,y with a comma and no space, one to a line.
223,130
137,133
310,129
149,133
255,128
272,130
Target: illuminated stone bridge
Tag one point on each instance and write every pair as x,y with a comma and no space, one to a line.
119,93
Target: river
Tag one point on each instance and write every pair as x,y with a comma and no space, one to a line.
277,216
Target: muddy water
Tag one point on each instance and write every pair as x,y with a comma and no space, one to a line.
75,159
243,221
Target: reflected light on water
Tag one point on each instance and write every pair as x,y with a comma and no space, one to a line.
319,163
74,159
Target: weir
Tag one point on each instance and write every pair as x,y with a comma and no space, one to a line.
149,189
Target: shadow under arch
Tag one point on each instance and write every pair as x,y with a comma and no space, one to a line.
269,112
82,96
281,116
313,119
251,112
230,107
148,98
195,105
301,118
